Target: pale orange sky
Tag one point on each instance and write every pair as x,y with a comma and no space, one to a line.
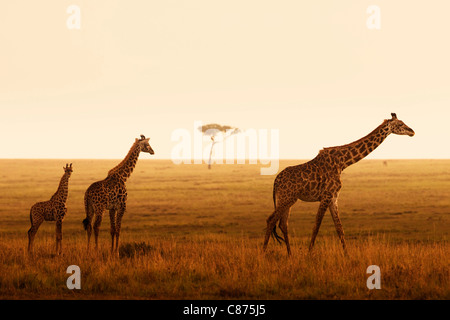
311,69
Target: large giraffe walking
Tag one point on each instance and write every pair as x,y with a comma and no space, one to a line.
51,210
319,180
111,194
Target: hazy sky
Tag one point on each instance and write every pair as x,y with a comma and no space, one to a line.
311,69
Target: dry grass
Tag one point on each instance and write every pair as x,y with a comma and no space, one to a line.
193,233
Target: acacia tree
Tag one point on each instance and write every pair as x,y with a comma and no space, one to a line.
215,131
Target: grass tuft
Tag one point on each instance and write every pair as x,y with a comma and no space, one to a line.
131,250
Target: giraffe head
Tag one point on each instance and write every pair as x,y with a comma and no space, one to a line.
68,169
399,127
145,146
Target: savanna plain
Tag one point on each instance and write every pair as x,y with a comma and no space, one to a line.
194,233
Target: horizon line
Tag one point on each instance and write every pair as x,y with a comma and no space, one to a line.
224,160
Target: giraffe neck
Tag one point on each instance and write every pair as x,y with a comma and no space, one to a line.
355,151
124,169
63,189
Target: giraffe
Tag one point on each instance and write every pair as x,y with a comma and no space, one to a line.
111,194
319,181
51,210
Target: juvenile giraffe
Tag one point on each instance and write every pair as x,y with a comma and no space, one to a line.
111,194
51,210
319,180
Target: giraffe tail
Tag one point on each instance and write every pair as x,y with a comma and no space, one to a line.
87,207
276,236
86,223
274,233
274,196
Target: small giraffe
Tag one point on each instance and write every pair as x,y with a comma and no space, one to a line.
319,180
52,210
111,194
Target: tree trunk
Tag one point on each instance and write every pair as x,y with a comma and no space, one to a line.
210,154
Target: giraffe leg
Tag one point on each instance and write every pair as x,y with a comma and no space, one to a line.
88,228
280,211
284,228
58,236
97,223
320,213
87,222
112,218
120,214
337,222
35,223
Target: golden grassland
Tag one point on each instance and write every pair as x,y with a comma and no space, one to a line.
194,233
